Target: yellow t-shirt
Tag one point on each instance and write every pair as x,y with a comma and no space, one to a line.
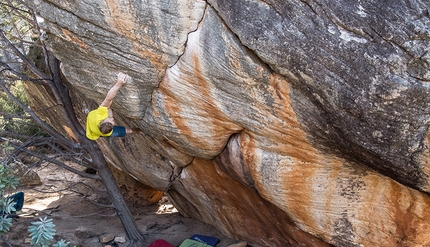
93,121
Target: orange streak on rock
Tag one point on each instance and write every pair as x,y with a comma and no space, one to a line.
411,214
120,17
285,133
192,108
326,195
69,36
392,214
238,210
174,109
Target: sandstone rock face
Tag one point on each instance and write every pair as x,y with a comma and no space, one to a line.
283,123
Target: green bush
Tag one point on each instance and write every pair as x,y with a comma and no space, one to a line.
12,117
7,105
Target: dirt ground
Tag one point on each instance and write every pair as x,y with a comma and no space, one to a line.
70,201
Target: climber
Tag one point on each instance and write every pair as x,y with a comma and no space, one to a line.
100,122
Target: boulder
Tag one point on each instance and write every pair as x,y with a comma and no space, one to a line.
282,123
84,232
27,176
106,238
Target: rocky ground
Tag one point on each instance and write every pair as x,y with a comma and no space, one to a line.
80,218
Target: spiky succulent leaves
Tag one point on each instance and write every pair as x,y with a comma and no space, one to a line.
7,205
61,243
7,179
42,232
5,224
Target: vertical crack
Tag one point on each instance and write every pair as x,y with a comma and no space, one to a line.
188,35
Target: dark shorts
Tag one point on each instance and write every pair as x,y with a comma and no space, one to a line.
118,131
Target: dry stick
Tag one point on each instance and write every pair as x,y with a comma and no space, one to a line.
41,75
56,162
23,57
69,188
39,121
4,133
13,155
103,206
8,115
16,9
35,211
69,155
5,241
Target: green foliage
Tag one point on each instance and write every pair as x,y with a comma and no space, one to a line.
61,243
8,106
12,116
8,206
5,224
42,232
7,179
6,147
14,21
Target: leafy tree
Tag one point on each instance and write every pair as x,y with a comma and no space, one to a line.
20,37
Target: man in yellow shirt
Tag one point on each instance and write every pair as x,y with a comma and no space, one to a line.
100,122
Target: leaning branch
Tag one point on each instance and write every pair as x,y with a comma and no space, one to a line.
39,121
22,76
23,57
56,162
10,116
4,133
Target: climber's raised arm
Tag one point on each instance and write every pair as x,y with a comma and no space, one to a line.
122,78
100,122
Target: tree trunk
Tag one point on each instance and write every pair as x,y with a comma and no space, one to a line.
62,95
114,192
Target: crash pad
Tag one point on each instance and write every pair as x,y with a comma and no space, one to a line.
205,239
160,243
193,243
